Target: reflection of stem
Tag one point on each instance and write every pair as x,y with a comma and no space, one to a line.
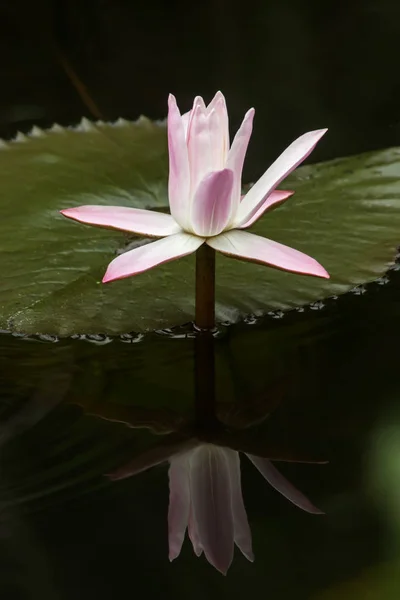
205,287
204,381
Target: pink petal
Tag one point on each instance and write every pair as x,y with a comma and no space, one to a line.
241,244
211,208
199,147
237,154
240,522
285,164
276,197
146,257
211,504
137,220
179,174
282,485
179,504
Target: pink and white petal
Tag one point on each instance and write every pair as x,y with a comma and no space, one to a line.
254,248
211,505
137,220
179,504
217,141
217,98
284,164
179,172
151,458
240,522
212,203
185,121
217,108
199,147
282,485
156,253
187,117
237,155
198,101
274,199
193,535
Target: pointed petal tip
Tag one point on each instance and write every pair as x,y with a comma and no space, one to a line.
67,212
107,278
323,273
198,103
319,132
315,270
249,115
243,245
220,568
217,98
114,476
173,554
251,557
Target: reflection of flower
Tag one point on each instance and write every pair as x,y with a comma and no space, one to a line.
206,498
204,196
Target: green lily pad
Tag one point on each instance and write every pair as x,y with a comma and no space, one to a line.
345,213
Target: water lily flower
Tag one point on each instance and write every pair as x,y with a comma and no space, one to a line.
206,499
205,200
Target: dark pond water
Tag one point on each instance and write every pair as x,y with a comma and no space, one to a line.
315,385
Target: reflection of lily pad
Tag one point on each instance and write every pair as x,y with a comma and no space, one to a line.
346,213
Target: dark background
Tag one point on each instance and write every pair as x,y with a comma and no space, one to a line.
303,65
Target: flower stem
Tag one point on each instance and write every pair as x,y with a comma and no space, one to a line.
205,288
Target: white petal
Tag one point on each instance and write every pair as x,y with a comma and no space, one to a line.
282,485
285,164
153,254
